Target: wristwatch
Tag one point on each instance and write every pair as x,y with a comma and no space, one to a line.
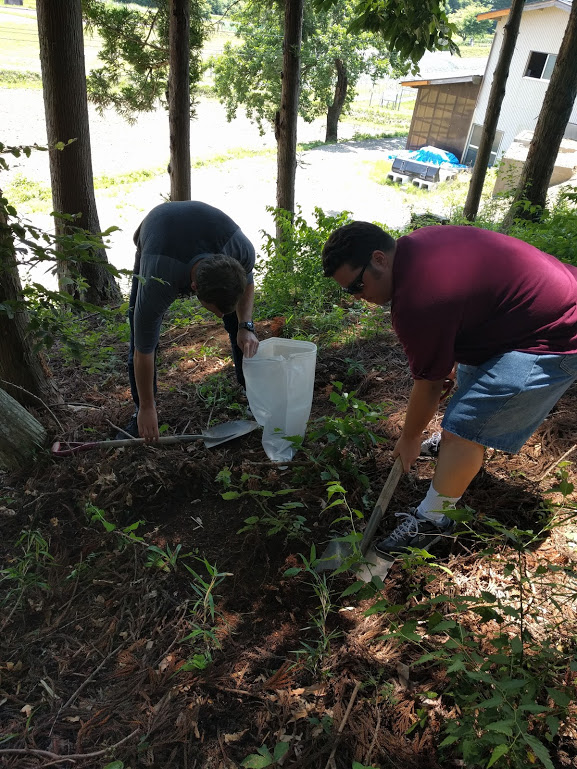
248,324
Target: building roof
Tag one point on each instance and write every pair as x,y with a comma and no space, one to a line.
565,5
442,80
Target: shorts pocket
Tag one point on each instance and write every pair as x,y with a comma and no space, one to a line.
569,364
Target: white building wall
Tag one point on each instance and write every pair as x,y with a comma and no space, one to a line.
541,30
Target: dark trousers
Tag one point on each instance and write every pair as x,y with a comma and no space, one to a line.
230,323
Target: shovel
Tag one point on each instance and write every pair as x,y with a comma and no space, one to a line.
338,551
212,437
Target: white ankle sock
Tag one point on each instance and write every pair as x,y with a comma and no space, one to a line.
434,504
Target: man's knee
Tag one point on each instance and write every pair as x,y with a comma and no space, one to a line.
453,440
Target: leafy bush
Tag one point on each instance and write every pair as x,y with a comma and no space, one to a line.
556,232
293,276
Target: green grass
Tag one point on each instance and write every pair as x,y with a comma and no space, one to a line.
477,50
448,198
106,182
19,49
394,122
33,197
10,78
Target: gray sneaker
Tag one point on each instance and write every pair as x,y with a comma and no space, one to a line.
414,532
430,446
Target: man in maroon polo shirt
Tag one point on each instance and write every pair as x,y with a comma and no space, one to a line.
502,310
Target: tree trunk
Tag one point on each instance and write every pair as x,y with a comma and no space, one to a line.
286,119
549,131
19,364
65,104
20,434
493,109
334,111
179,99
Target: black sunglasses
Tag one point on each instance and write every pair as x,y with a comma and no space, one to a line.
357,285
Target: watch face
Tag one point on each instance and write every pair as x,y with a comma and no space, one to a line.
249,325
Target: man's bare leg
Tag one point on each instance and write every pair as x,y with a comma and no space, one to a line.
459,462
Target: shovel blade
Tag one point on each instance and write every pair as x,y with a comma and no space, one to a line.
337,553
333,556
227,431
374,566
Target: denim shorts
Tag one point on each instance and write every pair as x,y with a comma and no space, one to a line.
501,402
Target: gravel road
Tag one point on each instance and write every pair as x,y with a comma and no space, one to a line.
334,177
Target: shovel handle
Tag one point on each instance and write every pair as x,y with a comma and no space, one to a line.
66,449
382,503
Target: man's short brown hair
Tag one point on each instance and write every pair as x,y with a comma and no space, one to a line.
221,281
353,244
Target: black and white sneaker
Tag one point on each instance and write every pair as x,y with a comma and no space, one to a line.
430,446
131,428
414,531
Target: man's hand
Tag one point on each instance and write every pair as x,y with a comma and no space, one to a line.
408,449
247,342
148,424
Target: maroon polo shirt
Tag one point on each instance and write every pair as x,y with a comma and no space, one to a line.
463,294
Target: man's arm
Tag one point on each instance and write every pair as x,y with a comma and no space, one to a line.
144,375
423,404
245,339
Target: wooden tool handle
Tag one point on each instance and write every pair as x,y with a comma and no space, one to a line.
63,449
382,503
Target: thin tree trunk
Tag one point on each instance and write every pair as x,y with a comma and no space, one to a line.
334,111
21,435
65,103
549,131
179,99
286,118
496,96
19,364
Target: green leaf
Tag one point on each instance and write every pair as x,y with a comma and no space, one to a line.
492,702
539,750
516,645
513,684
280,750
256,762
457,665
559,698
230,495
553,723
532,707
354,588
503,727
498,753
292,572
115,765
449,740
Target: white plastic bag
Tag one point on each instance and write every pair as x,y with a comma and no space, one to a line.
279,386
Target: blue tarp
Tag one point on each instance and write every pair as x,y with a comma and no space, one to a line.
430,155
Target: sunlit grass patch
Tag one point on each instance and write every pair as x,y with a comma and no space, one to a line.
11,78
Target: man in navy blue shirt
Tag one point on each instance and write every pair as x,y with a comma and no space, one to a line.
186,248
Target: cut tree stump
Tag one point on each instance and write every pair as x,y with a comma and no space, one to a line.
21,435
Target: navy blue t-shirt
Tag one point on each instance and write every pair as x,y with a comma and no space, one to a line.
171,239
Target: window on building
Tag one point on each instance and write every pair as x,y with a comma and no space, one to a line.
540,65
474,141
